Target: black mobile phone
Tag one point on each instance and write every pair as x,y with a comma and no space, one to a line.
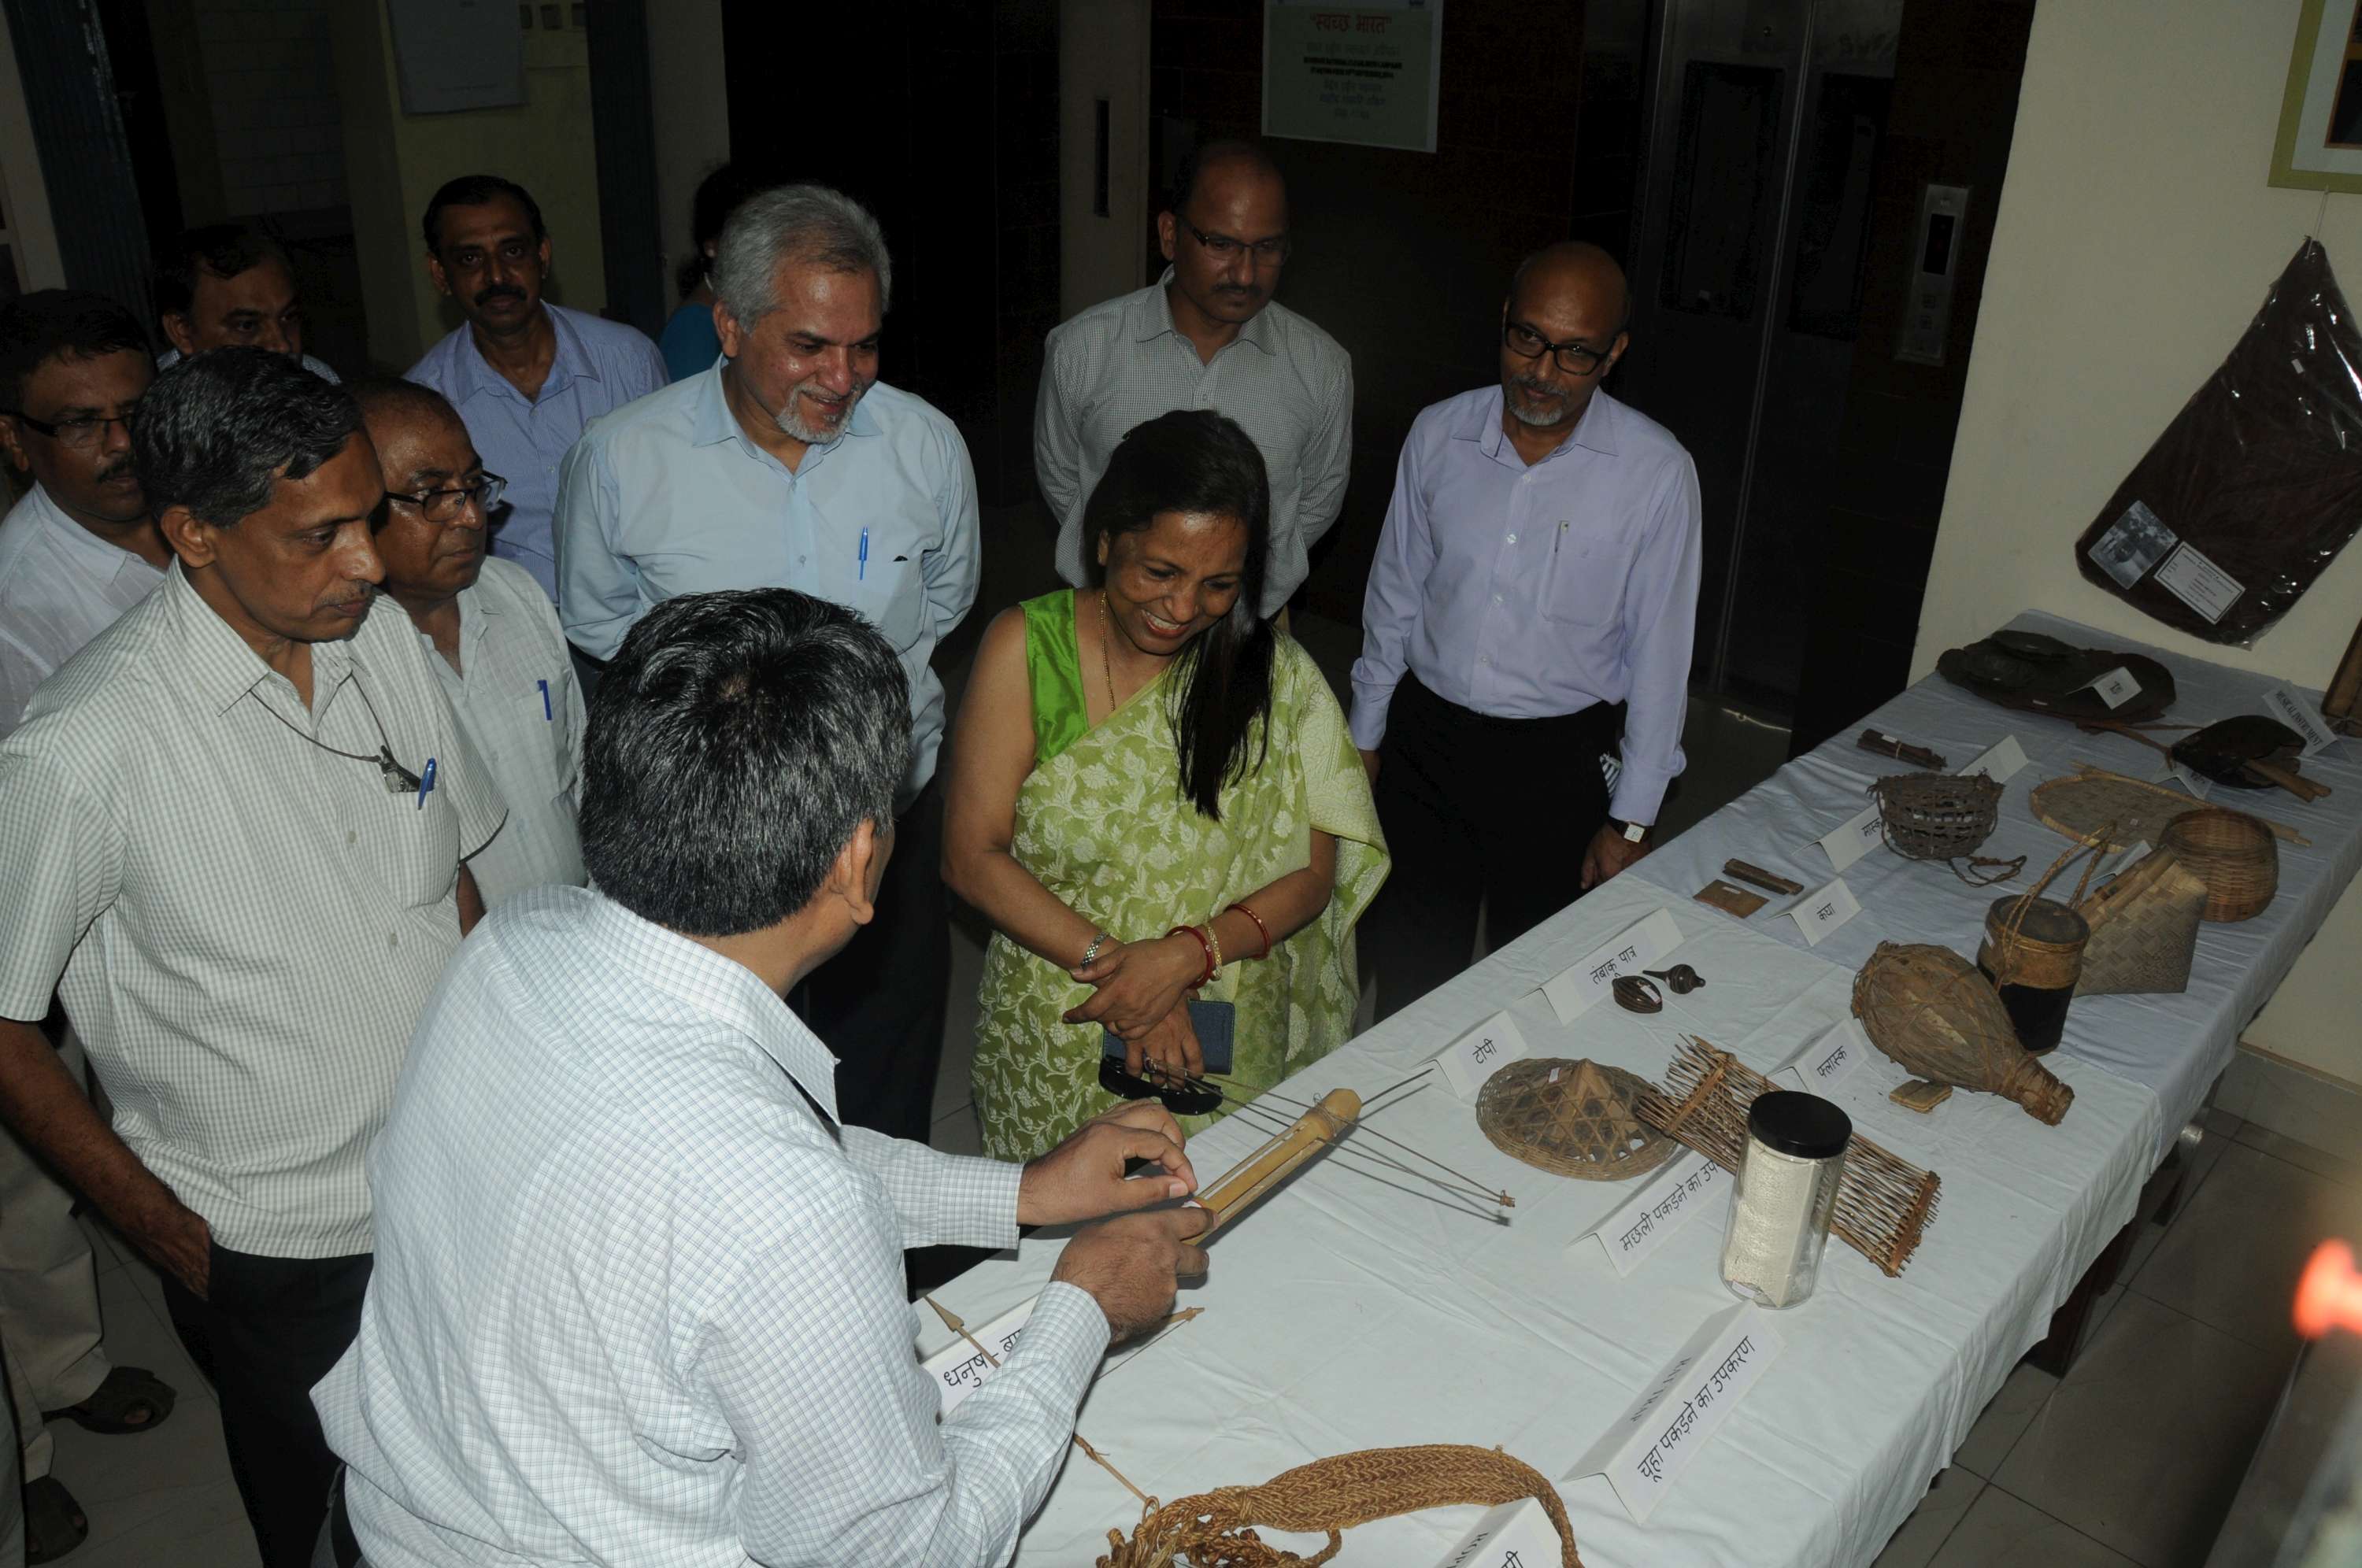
1215,1023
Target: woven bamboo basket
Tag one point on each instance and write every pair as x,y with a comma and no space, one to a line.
1929,1009
2233,853
1571,1118
1937,816
2143,928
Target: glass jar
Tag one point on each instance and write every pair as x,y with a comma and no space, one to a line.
1785,1196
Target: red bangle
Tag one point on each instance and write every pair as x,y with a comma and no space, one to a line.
1258,925
1204,947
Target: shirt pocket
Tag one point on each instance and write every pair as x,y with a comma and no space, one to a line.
1583,581
889,588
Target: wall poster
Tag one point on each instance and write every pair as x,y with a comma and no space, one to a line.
1363,73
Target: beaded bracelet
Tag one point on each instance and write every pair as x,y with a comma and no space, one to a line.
1091,953
1258,925
1203,946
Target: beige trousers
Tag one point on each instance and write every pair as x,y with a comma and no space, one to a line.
49,1290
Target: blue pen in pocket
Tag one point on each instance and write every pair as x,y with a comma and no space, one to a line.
544,700
426,785
863,575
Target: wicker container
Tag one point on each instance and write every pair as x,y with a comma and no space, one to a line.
1937,816
2033,953
2233,853
2143,928
1929,1010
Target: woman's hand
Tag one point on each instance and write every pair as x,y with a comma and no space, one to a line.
1138,984
1170,1046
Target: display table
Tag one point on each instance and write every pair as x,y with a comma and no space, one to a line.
1360,1307
2176,1045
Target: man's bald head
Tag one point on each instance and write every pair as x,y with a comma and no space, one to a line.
1231,157
1562,332
1576,266
389,403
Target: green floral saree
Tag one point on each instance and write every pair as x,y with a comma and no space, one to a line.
1102,824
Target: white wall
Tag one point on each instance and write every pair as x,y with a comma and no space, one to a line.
24,226
2135,238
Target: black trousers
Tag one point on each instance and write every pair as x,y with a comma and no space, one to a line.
269,1330
1478,811
879,1003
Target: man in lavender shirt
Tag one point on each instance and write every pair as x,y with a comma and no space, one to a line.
1538,566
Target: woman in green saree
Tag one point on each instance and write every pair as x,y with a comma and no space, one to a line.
1153,796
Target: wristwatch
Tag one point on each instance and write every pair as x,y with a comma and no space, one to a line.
1634,833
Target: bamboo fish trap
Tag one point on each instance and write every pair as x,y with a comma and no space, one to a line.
1885,1204
1929,1009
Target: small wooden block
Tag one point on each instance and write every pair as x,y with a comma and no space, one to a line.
1770,881
1729,899
1921,1096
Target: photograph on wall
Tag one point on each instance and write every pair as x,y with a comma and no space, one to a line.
2319,143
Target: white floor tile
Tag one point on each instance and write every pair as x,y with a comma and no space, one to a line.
122,1482
2345,1173
2002,1531
2143,1444
2231,1257
957,1133
203,1528
2006,1418
138,1334
1915,1544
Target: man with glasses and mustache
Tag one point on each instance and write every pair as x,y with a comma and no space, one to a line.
233,831
1538,565
1207,334
75,553
526,375
499,653
789,464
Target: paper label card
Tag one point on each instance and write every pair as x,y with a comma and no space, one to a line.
1858,837
1826,1061
1514,1535
960,1369
2189,778
1576,987
1649,1218
1999,762
2118,687
1653,1441
1482,1052
2199,582
1817,914
2301,716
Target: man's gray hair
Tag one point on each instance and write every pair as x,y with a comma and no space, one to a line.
795,222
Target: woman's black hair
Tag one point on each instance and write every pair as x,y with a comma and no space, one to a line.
1196,461
718,196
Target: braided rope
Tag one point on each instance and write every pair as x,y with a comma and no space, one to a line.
1213,1530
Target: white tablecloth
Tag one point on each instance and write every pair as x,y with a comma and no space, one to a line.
1357,1308
2176,1045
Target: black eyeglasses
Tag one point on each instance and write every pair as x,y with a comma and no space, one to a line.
1574,357
1222,248
446,505
82,430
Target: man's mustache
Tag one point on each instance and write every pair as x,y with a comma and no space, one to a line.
499,292
114,471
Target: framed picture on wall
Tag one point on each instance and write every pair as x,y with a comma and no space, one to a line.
2320,142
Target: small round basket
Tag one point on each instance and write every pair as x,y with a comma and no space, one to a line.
1937,816
1571,1118
2233,853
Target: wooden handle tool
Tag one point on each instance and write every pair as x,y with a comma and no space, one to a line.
1278,1158
1772,881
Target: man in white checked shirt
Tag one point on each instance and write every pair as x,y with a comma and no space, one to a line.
221,853
639,1296
498,651
1207,334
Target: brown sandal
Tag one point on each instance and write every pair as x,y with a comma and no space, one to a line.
54,1522
128,1392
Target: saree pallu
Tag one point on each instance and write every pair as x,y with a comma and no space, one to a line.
1102,824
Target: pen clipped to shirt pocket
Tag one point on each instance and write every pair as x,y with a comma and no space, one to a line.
1582,582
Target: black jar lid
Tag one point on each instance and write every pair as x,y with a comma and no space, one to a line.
1803,1125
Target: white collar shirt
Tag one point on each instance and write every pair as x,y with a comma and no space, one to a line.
242,924
516,698
1287,383
638,1299
60,585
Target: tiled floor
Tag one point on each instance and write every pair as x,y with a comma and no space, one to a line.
2135,1456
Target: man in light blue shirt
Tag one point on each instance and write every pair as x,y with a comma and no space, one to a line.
790,465
526,375
1538,566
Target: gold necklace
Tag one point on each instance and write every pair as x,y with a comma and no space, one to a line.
1107,670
